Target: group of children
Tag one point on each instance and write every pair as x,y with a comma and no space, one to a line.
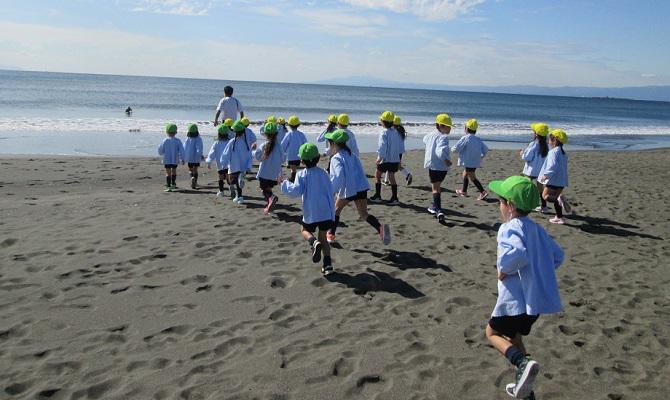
527,255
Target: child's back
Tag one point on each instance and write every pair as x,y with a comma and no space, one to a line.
317,194
193,149
215,153
270,167
172,150
291,143
555,167
236,155
470,149
391,146
533,158
437,151
347,175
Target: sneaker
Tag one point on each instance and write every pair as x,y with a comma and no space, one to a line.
316,251
441,217
483,195
330,237
385,234
525,375
461,193
240,180
167,188
173,187
408,179
563,202
509,389
393,202
240,200
236,199
219,194
543,210
376,199
556,220
433,210
327,269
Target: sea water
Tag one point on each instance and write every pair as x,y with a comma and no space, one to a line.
83,114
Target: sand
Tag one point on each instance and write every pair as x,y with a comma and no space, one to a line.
112,289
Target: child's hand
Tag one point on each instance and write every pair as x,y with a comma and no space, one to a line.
501,276
253,146
378,161
520,152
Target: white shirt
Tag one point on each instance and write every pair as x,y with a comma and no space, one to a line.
229,107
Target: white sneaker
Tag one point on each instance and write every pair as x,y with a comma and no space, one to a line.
219,194
543,210
236,199
240,200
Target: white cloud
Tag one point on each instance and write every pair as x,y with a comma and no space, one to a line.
343,23
176,7
426,9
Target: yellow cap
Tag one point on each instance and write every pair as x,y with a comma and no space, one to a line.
443,119
271,119
396,120
539,128
228,122
343,120
387,116
560,135
332,118
293,120
472,125
245,121
281,121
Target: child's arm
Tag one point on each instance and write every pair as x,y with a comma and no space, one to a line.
182,153
294,189
485,149
285,143
382,148
512,254
224,159
199,147
208,160
459,145
549,167
336,174
258,153
442,150
529,153
161,148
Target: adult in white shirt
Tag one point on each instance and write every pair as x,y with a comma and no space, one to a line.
229,106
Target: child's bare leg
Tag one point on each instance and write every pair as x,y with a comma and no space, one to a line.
517,341
308,236
551,195
497,340
168,176
540,189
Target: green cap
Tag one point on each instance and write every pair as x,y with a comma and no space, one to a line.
337,136
270,128
308,151
193,128
238,126
223,130
518,190
170,128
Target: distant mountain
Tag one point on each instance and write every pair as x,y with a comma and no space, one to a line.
651,93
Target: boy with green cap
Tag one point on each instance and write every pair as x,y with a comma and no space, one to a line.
172,151
527,284
313,184
236,157
214,154
193,153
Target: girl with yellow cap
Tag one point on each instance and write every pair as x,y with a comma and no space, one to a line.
291,144
343,123
330,127
397,125
534,155
471,149
390,148
554,175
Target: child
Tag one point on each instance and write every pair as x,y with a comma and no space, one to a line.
534,156
317,200
236,157
350,184
397,125
193,153
437,160
271,157
228,122
281,129
554,175
471,149
215,155
343,123
172,151
332,125
290,145
527,286
250,137
388,158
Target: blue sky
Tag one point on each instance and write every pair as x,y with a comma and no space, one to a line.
449,42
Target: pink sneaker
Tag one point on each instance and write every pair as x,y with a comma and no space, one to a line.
556,220
461,193
483,195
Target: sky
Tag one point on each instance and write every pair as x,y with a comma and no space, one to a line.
611,43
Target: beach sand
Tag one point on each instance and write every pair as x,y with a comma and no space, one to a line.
112,289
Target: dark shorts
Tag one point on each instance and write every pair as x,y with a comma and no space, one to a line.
170,165
553,187
322,225
223,171
436,176
193,164
266,183
362,195
511,325
470,169
388,167
294,163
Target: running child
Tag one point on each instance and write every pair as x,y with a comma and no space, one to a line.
350,184
534,155
236,157
330,127
527,285
471,149
390,148
437,160
214,154
554,175
193,153
281,129
343,123
397,125
250,137
271,157
313,184
172,151
290,145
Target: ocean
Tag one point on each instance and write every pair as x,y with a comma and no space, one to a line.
83,114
